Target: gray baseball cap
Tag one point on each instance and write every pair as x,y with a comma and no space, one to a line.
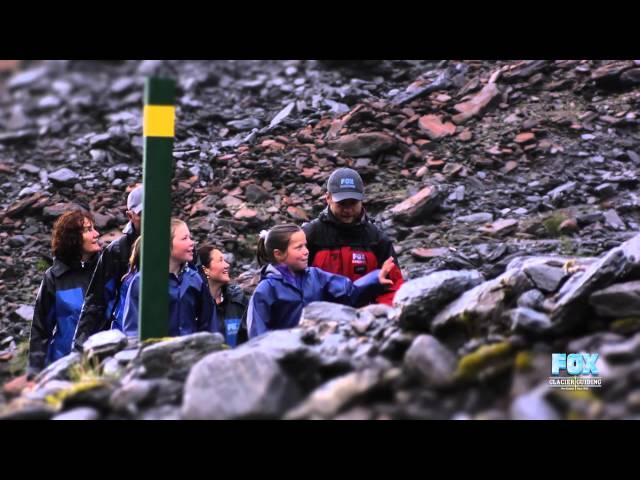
134,200
345,183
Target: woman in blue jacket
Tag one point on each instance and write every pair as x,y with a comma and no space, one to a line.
75,246
226,303
288,284
187,290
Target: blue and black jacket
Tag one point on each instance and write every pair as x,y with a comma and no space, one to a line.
187,299
226,317
278,300
101,297
57,310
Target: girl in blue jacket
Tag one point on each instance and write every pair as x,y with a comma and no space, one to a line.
187,290
288,284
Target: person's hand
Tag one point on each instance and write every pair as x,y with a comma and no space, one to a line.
387,266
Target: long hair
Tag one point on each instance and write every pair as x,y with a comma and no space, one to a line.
175,223
275,239
66,240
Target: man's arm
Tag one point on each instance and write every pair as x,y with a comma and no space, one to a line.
92,317
385,250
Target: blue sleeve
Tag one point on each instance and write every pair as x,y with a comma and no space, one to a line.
259,311
340,289
208,321
130,317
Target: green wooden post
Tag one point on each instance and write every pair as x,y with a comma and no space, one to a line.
158,128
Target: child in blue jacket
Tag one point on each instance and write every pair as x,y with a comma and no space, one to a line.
288,284
187,290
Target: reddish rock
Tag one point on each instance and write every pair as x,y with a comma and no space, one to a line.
465,135
434,128
231,201
510,166
500,227
570,225
363,144
478,104
16,386
416,207
245,214
422,253
298,214
435,163
525,137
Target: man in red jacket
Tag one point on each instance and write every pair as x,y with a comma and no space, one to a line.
344,240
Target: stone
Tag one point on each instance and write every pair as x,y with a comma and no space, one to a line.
417,206
435,129
545,277
433,362
617,301
78,413
420,299
525,320
64,176
363,144
244,383
327,400
105,343
483,217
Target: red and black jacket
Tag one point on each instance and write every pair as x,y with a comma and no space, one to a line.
352,250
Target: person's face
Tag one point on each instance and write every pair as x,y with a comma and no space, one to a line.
218,268
297,255
182,245
90,236
135,219
346,211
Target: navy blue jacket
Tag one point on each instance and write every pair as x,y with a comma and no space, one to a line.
277,301
57,310
226,317
187,297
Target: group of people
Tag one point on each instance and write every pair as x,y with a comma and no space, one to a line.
341,256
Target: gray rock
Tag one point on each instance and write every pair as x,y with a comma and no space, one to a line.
245,124
482,302
622,352
613,220
526,320
17,241
317,312
128,397
58,370
610,268
434,363
24,312
558,193
112,368
48,102
105,343
174,358
284,113
476,218
531,299
420,299
326,401
544,277
243,383
64,176
79,413
27,77
533,406
126,356
256,194
605,190
618,300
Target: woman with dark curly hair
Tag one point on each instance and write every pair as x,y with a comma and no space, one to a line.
75,248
